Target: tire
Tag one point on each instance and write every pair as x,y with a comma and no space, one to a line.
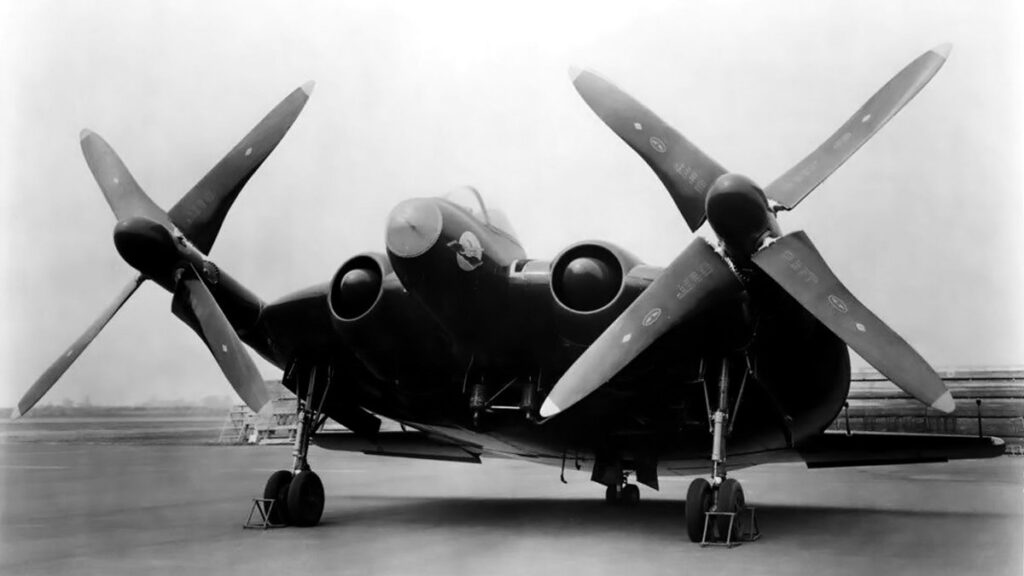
630,494
306,499
698,501
730,499
277,490
611,495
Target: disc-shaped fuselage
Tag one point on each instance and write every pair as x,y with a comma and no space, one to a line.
456,264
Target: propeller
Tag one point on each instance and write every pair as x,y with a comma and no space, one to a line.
743,210
46,381
151,239
684,169
200,213
193,299
793,186
123,193
795,265
697,279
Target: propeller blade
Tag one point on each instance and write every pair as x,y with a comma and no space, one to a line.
685,171
795,264
696,280
193,297
123,193
43,384
200,213
790,188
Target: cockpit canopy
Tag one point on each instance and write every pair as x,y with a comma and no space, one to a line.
468,198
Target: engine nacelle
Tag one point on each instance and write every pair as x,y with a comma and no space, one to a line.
380,322
355,298
589,282
357,287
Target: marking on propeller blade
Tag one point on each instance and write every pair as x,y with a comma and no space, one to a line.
224,348
842,140
693,279
658,144
651,317
248,151
691,174
838,304
627,338
800,268
865,118
861,327
116,181
70,353
638,126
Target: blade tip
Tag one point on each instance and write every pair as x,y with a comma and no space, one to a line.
85,133
16,413
549,408
945,403
574,73
943,50
307,88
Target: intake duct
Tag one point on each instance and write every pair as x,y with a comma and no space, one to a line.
357,286
588,281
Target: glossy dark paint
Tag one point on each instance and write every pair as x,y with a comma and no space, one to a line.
437,330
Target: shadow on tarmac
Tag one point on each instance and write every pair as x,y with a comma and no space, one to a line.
655,517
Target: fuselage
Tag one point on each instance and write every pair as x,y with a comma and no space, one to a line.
498,335
468,340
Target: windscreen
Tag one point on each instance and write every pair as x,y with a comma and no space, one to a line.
469,198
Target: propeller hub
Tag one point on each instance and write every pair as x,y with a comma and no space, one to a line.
146,245
739,213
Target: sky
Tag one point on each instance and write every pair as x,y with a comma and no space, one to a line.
925,223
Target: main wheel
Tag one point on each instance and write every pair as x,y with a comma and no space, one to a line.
306,499
698,502
730,499
611,494
630,494
277,490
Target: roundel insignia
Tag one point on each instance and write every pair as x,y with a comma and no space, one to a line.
838,303
468,251
658,144
651,317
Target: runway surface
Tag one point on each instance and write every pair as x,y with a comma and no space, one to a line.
114,509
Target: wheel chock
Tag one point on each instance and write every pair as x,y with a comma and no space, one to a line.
736,519
263,506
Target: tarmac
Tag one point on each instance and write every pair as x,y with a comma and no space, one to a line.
132,509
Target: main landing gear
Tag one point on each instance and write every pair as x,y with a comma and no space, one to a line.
298,494
623,493
718,507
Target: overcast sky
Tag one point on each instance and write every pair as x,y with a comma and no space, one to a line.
925,224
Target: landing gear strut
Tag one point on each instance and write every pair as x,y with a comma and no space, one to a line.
720,494
298,494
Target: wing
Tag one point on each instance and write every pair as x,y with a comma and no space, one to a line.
836,449
404,444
